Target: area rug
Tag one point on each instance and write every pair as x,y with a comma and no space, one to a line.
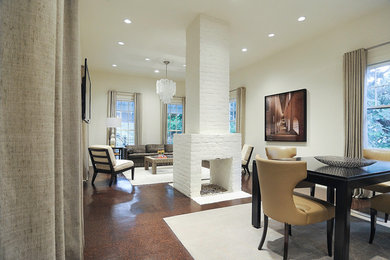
227,233
164,174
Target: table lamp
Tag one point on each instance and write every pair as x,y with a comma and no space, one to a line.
113,122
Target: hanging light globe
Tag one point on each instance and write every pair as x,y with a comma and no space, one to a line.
166,88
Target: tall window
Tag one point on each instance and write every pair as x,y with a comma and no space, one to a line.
125,109
174,119
233,115
377,106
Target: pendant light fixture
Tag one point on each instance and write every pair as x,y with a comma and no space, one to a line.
166,88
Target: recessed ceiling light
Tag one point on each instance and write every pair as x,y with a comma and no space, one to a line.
271,35
156,71
147,59
301,19
184,65
114,65
244,49
121,43
128,21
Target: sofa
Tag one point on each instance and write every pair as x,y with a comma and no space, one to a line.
137,153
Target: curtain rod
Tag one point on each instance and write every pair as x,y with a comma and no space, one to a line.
379,45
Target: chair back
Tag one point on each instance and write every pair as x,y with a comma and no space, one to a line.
376,154
274,152
277,181
102,157
246,152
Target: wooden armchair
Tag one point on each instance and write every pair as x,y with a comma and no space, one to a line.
103,160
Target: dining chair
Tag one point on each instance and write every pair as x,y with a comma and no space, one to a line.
380,155
275,152
277,180
246,154
103,161
378,203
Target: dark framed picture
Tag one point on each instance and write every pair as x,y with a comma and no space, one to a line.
285,116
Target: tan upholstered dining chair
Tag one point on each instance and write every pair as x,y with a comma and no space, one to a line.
274,153
378,203
246,153
103,160
380,155
277,180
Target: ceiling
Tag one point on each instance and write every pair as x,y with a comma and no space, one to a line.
158,29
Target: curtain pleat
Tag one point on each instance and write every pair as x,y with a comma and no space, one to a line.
111,112
240,95
40,129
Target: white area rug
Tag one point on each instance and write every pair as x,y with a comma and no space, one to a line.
164,174
227,233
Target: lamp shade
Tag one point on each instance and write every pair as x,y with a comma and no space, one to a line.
113,122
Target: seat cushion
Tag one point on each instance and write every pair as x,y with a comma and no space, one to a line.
383,187
154,148
381,203
135,149
243,162
316,210
123,164
168,148
246,152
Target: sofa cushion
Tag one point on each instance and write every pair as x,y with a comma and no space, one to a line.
153,148
135,149
168,148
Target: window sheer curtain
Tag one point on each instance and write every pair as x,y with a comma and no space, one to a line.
41,213
355,65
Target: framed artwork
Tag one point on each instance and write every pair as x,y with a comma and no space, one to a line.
285,116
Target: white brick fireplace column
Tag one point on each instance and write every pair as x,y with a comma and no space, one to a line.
207,112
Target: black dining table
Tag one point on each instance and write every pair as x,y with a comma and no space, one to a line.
343,180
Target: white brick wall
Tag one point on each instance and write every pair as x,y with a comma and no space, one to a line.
207,76
190,149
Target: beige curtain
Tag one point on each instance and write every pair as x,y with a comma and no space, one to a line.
40,128
138,121
111,112
240,95
355,64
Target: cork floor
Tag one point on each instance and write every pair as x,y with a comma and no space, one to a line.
126,222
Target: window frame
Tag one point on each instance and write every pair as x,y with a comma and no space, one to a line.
164,118
130,98
366,108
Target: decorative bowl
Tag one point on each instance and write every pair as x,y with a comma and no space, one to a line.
345,162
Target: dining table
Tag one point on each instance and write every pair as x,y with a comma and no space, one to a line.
337,179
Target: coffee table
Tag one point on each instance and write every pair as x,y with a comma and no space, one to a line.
157,160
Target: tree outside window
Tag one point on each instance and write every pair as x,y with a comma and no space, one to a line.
174,121
377,106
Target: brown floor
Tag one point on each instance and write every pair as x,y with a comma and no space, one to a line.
126,222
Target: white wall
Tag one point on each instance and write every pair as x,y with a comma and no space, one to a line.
316,65
102,82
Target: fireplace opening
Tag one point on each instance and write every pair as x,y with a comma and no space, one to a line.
220,176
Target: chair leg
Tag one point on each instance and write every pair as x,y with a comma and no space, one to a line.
285,251
94,177
112,179
264,232
247,168
373,213
289,230
386,217
132,173
329,234
313,191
